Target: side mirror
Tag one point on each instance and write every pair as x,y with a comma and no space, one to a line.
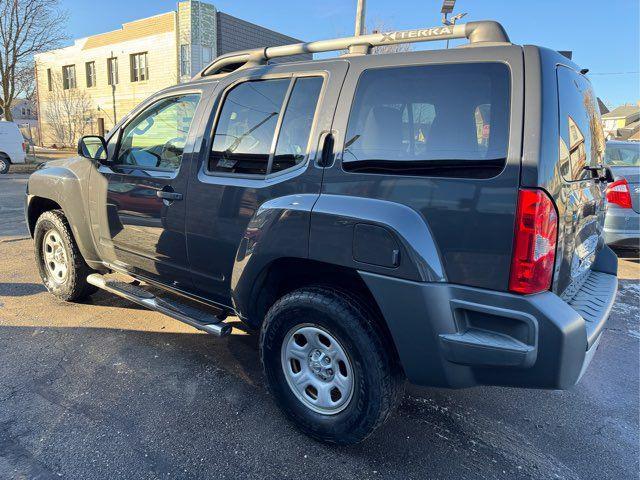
93,147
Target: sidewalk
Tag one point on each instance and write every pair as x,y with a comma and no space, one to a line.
39,155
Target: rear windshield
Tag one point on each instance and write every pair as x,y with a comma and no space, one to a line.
623,155
581,136
433,120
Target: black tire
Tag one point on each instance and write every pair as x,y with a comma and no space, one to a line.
5,163
378,378
74,286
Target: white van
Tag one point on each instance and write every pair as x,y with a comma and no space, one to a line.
12,146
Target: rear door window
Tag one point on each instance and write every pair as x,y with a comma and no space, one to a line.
433,120
256,112
246,127
581,137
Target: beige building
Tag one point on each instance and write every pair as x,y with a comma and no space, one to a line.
622,122
88,86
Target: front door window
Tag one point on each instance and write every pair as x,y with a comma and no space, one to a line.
156,138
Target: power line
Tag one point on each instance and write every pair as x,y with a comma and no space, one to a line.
614,73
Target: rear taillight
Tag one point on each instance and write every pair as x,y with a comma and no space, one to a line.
534,248
618,193
24,146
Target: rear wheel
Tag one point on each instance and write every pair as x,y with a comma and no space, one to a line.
328,366
5,163
60,264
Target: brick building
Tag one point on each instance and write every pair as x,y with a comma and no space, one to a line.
99,79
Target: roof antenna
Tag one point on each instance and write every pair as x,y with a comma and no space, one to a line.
447,8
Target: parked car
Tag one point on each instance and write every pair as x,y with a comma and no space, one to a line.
12,146
375,217
622,223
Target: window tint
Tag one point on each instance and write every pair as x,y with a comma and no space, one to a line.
436,120
246,126
293,139
581,136
623,155
157,136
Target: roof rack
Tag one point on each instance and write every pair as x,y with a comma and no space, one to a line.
482,32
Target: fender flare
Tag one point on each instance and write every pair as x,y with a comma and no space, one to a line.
278,229
63,186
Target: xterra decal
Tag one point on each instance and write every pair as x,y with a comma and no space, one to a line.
409,34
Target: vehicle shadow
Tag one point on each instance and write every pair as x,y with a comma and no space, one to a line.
162,392
16,289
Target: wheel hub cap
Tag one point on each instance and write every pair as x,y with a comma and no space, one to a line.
317,369
320,364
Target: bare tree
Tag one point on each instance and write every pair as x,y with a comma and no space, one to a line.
69,113
27,27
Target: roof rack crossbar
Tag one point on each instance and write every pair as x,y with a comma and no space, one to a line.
476,32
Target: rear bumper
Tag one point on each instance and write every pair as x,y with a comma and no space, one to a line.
455,336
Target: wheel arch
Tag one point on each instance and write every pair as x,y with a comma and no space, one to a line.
60,188
287,274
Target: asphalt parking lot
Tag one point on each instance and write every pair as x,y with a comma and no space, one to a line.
107,390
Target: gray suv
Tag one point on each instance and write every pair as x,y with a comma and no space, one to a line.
433,216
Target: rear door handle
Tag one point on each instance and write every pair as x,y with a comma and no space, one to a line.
171,196
326,153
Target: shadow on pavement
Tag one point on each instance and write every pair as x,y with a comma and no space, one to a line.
9,289
157,403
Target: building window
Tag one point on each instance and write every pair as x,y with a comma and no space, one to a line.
112,70
207,56
90,68
139,67
49,80
69,77
185,59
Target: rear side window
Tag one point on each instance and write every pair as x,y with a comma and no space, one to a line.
581,137
291,149
623,155
434,120
243,142
246,127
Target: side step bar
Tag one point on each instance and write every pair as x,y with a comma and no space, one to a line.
195,317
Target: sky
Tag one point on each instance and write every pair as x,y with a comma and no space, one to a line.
604,35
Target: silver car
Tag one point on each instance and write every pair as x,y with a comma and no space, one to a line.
622,224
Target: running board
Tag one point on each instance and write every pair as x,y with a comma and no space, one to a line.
195,317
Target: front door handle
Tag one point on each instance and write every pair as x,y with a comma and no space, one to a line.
168,195
173,196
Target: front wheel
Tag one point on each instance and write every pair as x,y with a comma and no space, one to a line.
328,366
4,164
60,264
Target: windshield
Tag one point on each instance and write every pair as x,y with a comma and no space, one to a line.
623,155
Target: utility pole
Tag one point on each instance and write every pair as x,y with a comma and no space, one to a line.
114,80
360,17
